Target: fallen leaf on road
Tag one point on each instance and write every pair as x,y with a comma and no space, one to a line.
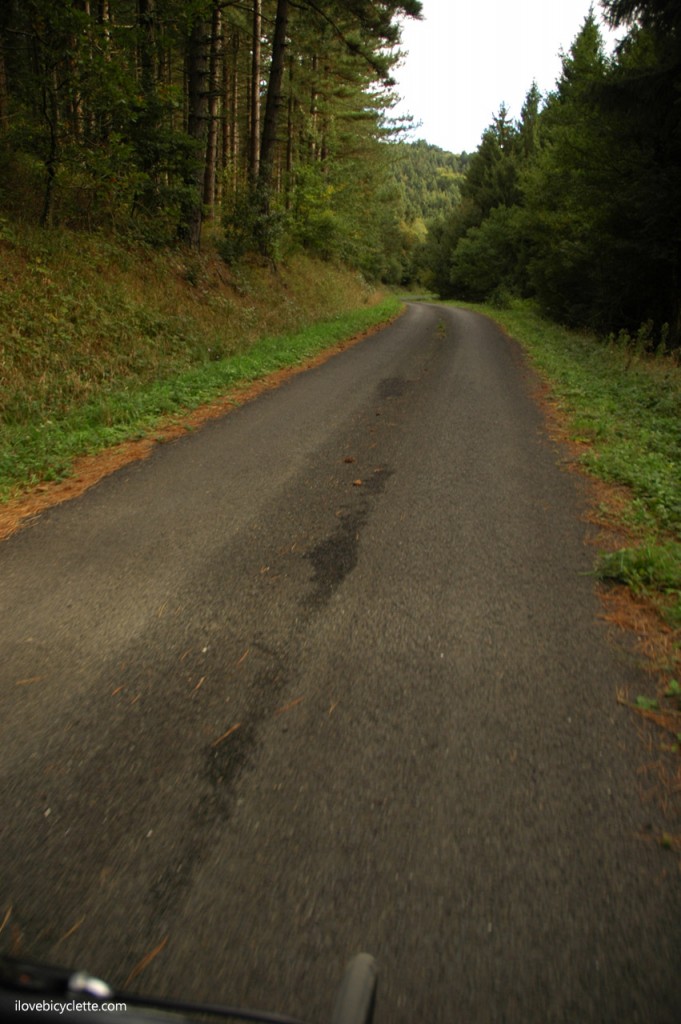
224,736
349,458
144,962
356,483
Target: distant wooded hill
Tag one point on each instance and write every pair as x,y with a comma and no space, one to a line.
429,179
423,188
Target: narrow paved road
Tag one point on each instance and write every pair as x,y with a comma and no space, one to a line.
273,715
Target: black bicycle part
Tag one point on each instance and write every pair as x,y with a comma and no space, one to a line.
27,983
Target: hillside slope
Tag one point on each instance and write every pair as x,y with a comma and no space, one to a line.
100,338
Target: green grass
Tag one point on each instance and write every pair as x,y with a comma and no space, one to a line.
34,450
651,568
626,406
100,341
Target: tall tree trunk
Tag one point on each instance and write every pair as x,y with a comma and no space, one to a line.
146,46
198,76
274,95
4,89
104,17
223,124
50,106
230,153
314,112
254,138
289,137
216,55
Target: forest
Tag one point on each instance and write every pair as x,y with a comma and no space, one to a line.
264,120
263,127
577,204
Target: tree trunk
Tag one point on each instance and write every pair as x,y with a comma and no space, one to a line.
274,95
314,113
4,90
216,55
289,137
146,46
198,75
254,139
230,153
51,115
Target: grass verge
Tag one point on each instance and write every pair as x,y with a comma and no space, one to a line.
101,342
44,450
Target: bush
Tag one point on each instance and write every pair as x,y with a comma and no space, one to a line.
490,258
252,223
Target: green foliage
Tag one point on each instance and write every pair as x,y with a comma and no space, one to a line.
647,703
492,177
673,691
424,188
136,117
487,260
100,339
315,222
590,183
483,247
252,223
652,566
428,180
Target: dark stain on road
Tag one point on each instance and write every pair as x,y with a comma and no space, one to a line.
336,555
225,762
375,483
392,387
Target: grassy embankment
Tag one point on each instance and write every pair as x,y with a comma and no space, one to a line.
101,342
621,408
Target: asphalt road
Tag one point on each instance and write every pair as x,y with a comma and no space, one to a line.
328,676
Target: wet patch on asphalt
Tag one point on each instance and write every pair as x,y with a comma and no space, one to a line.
392,387
225,762
336,556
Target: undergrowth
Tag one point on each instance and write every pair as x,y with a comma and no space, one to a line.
100,340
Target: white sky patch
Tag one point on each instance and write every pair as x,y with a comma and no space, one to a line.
466,57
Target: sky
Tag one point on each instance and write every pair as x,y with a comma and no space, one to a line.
466,57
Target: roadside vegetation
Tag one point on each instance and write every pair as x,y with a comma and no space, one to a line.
192,195
575,204
102,340
265,122
619,403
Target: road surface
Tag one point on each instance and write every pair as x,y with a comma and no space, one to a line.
328,676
